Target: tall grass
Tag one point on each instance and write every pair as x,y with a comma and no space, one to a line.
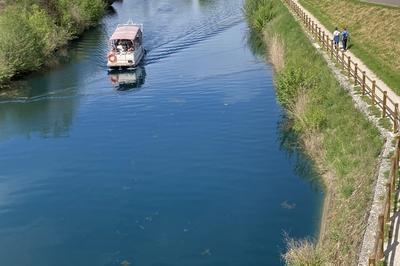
276,52
262,12
344,145
302,253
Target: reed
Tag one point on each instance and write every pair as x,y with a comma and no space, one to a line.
276,52
301,252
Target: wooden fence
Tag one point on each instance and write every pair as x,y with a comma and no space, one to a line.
378,98
388,107
384,218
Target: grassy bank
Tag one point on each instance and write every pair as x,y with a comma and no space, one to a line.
344,145
374,33
31,30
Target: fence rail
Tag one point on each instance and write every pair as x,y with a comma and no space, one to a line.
388,107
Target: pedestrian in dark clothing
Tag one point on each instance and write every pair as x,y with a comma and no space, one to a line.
345,36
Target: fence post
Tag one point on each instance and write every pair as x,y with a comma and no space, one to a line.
355,73
312,27
349,67
337,53
396,157
371,261
363,83
327,43
384,104
393,174
323,39
332,49
397,154
381,237
388,203
373,92
343,64
319,33
396,118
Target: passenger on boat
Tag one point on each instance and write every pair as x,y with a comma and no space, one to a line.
129,46
120,48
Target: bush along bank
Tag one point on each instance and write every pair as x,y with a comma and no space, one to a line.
343,143
31,30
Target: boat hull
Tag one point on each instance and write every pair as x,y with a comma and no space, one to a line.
125,60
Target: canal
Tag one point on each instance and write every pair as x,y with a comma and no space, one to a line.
184,162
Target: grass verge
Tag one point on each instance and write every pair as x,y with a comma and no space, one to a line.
374,33
344,145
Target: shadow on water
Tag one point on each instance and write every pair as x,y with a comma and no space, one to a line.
110,11
48,118
256,44
289,141
45,102
128,80
39,106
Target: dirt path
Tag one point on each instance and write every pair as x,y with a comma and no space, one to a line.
392,251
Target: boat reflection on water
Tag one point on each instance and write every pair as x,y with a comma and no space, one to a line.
124,80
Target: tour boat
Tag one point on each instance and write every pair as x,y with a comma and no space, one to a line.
126,49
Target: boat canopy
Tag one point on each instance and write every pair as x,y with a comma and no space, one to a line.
128,32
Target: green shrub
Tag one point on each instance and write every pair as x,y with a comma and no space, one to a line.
76,16
288,84
30,30
316,117
259,13
20,45
92,10
44,26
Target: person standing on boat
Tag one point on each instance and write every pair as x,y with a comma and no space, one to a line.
119,47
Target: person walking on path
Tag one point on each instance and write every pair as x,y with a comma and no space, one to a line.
345,36
336,36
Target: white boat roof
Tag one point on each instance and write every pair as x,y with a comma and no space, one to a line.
125,32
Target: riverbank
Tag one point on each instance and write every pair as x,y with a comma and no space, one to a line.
344,145
39,28
372,39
